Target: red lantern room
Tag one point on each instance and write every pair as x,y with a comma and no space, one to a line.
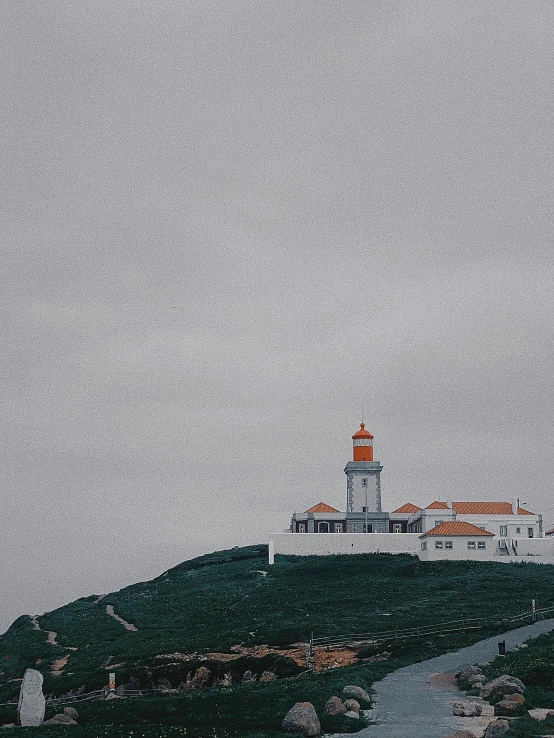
363,445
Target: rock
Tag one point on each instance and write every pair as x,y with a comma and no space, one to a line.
32,704
352,714
467,709
8,725
71,712
466,674
200,678
522,645
497,728
112,696
356,693
268,676
464,734
503,685
516,697
302,718
352,706
164,684
335,706
508,708
476,680
248,677
60,720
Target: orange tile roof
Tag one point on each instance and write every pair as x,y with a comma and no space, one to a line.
407,508
455,528
487,508
321,507
437,506
549,532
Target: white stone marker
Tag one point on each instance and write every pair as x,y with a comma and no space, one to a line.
31,700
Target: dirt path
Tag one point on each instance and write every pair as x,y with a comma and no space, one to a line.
126,625
52,636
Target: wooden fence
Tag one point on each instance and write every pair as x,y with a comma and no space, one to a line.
450,626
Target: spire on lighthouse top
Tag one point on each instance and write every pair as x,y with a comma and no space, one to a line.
363,445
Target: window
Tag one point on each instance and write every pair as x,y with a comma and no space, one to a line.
364,509
503,530
438,522
530,532
369,528
364,482
338,527
481,545
438,544
518,530
424,545
323,528
397,528
471,545
301,527
448,544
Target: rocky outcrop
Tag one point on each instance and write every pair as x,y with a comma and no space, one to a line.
351,691
467,709
497,728
302,718
335,706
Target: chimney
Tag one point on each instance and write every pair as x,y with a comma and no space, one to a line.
514,505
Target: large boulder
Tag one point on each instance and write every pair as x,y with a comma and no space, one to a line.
335,706
302,718
60,719
467,709
516,697
71,712
353,692
508,708
468,674
497,728
498,688
352,706
352,714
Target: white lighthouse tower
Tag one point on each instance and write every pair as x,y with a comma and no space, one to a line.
363,487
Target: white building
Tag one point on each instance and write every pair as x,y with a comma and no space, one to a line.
501,531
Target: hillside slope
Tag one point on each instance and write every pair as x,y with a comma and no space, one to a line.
219,601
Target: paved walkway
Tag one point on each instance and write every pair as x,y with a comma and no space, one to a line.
416,701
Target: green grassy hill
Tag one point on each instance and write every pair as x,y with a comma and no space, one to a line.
231,598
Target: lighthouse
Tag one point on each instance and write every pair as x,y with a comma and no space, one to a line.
363,487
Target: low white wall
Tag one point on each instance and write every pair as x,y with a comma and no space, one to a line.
531,547
326,544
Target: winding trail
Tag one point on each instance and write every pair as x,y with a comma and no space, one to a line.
417,700
128,626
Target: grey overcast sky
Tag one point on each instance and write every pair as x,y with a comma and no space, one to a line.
225,228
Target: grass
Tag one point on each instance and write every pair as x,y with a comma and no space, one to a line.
217,601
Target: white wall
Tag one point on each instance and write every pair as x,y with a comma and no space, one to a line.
530,550
324,544
459,550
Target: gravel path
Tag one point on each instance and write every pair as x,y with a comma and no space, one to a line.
417,700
